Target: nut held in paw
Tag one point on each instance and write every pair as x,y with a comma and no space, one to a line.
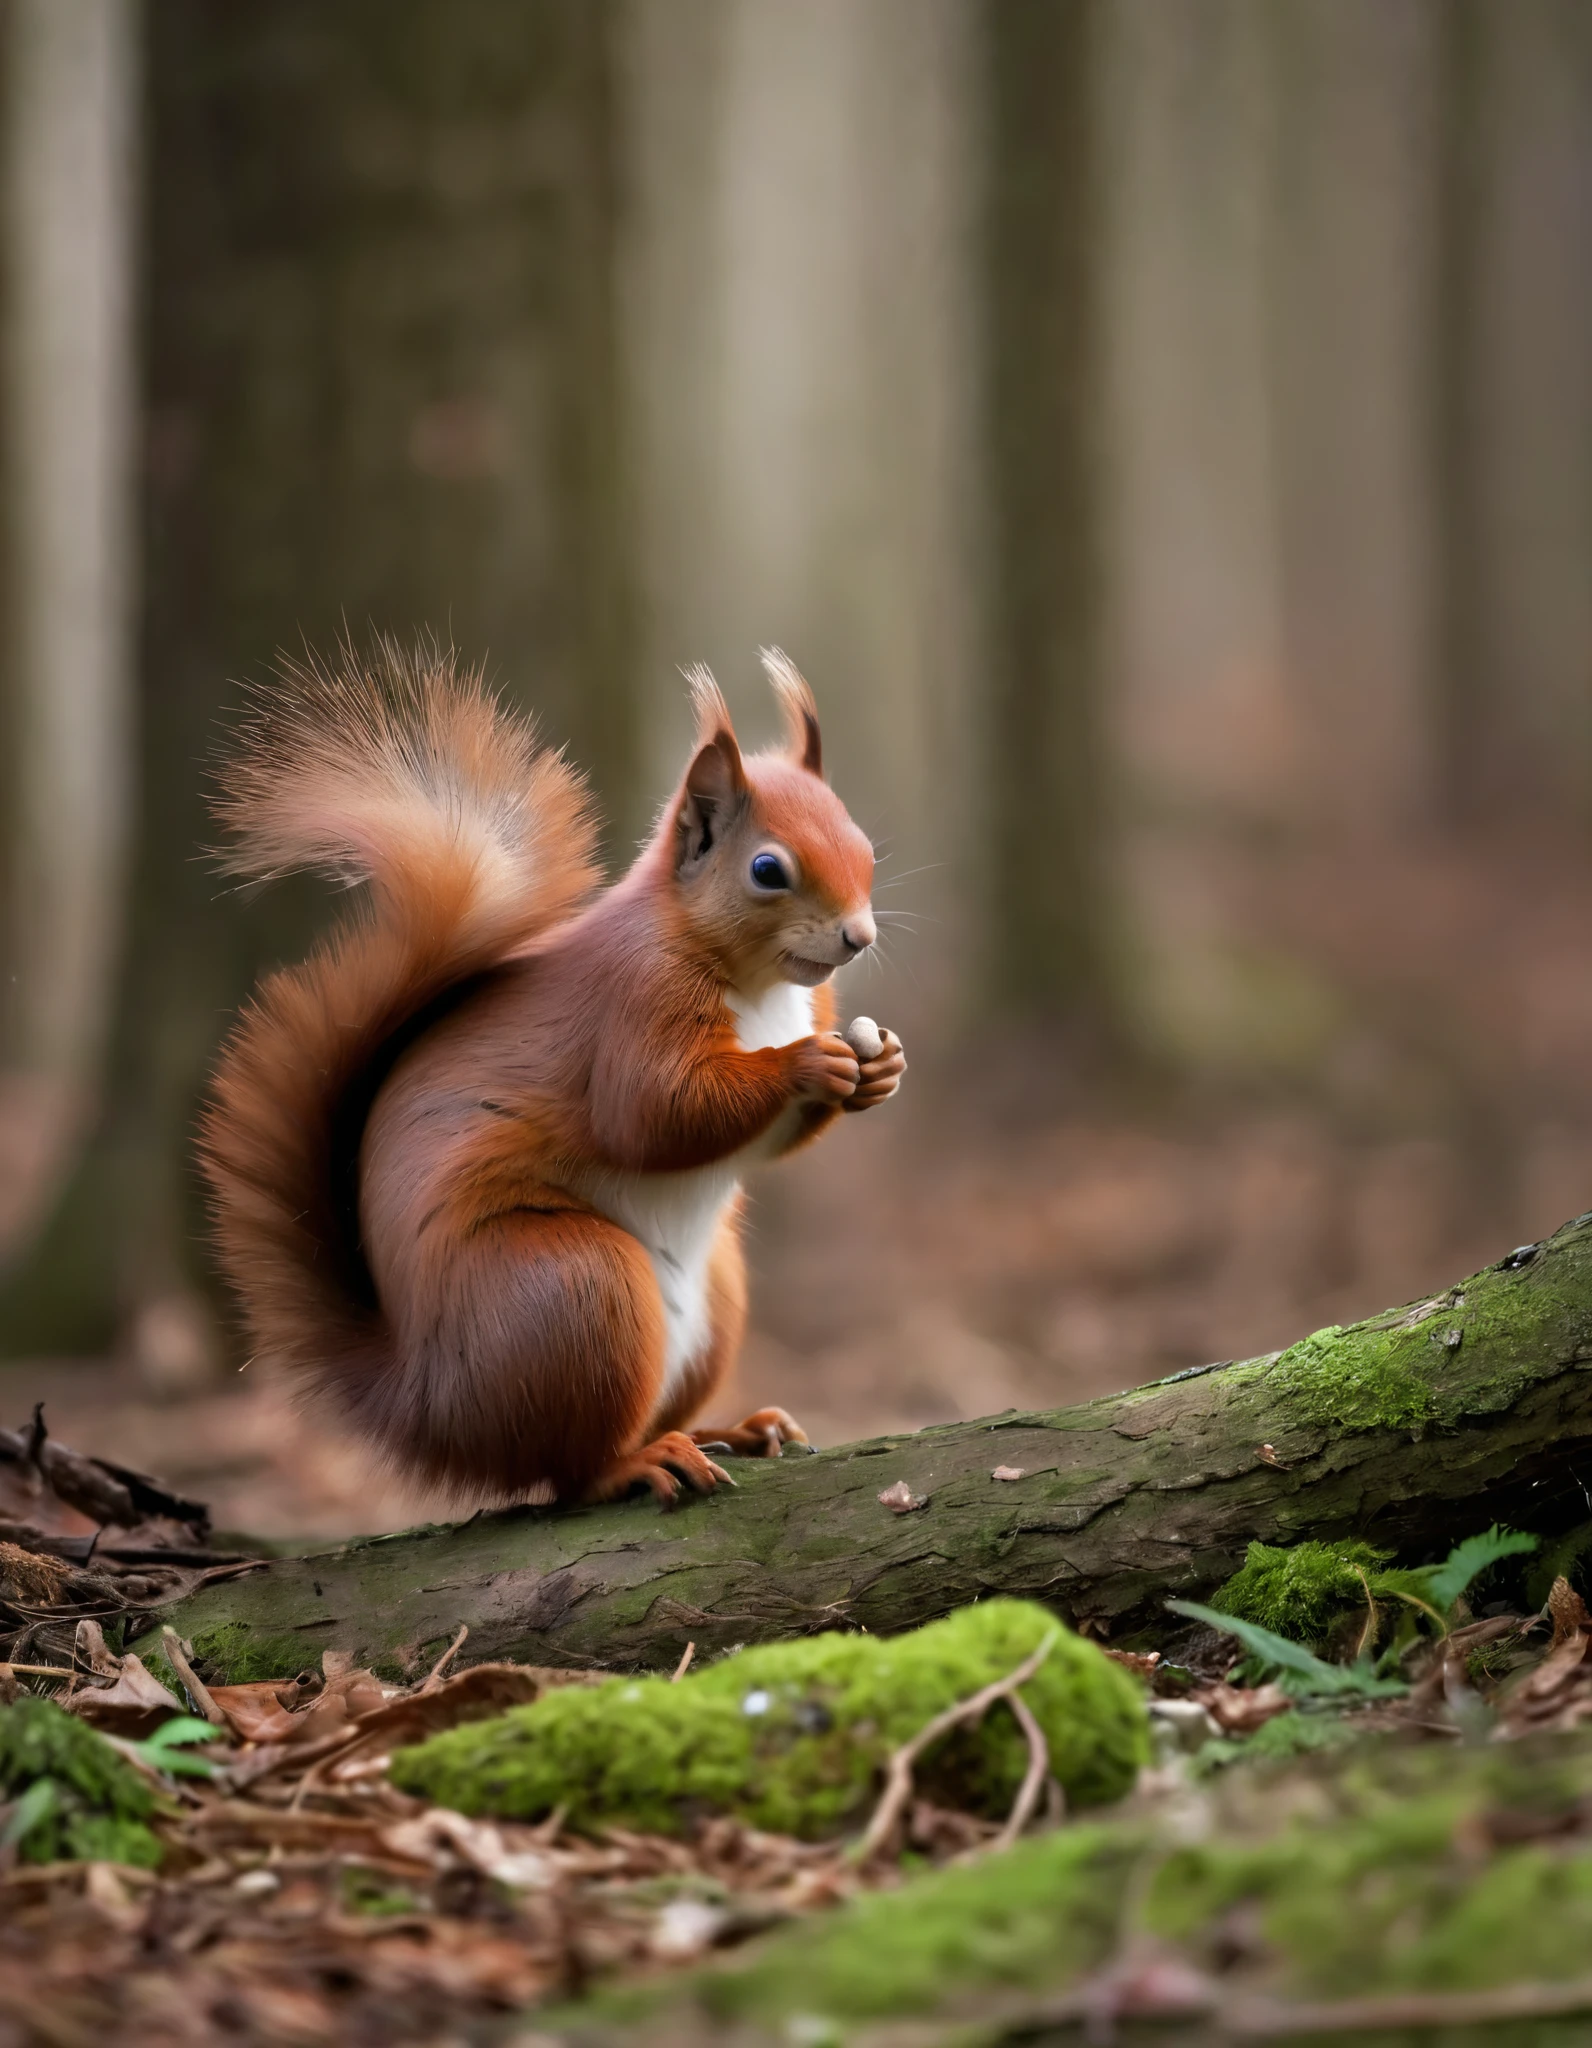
865,1038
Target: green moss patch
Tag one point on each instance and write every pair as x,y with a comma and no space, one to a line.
1402,1894
1397,1871
1300,1592
237,1654
68,1795
1358,1378
1046,1912
793,1736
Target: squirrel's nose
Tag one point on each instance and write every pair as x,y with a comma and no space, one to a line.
859,932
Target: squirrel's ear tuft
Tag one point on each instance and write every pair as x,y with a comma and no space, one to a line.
707,703
803,741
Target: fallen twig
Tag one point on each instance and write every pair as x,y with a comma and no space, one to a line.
968,1712
1034,1778
193,1684
434,1676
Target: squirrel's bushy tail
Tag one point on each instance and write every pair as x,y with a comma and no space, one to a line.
397,772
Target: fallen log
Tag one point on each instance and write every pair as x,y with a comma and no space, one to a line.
1411,1429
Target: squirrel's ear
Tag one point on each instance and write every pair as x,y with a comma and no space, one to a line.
715,782
803,740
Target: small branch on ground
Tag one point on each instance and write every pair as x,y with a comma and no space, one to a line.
193,1685
966,1713
434,1676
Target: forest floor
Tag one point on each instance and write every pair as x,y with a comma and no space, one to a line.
1396,1834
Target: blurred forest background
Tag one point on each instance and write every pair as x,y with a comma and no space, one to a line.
1161,429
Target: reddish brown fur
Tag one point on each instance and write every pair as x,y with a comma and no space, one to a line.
410,1204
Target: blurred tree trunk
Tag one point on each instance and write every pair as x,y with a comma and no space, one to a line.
1347,279
1456,283
68,117
1045,811
799,313
380,388
1516,357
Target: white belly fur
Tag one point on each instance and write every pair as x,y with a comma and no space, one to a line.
676,1216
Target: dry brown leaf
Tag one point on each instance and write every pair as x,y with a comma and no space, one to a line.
481,1844
255,1714
458,1960
264,1711
1568,1612
1142,1663
472,1695
1557,1695
258,1712
135,1704
90,1647
362,1691
1561,1666
1241,1709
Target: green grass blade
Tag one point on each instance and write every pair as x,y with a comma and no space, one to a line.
1302,1672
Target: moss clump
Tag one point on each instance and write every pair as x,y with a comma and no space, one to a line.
98,1807
792,1736
1359,1378
1044,1913
1300,1592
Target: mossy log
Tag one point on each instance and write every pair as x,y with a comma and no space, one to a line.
1411,1429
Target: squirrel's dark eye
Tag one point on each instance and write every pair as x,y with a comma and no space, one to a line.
768,872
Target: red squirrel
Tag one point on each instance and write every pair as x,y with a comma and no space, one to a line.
476,1163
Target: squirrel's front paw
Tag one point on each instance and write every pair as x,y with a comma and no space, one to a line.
826,1069
879,1078
763,1434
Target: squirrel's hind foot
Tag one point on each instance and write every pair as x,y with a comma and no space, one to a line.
671,1462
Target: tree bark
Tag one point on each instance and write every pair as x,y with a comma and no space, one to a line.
1042,390
1120,1503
